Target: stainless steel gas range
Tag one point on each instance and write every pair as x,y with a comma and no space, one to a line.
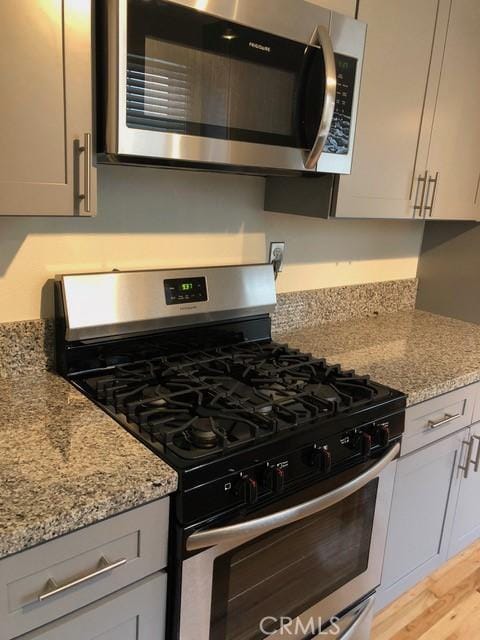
286,463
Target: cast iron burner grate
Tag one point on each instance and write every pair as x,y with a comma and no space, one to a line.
205,402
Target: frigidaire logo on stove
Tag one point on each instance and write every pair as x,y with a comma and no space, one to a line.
261,47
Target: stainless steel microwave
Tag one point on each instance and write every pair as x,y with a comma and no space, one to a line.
268,86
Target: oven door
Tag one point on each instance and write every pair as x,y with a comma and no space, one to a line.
293,567
190,86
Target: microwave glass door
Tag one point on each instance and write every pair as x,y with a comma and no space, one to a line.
288,570
194,74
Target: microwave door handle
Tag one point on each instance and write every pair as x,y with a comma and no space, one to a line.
322,38
259,526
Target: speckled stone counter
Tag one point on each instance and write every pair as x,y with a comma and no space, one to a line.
421,354
26,347
65,464
298,309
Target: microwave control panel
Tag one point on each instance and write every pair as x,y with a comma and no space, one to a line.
338,140
185,290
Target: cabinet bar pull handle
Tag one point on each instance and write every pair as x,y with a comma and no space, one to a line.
477,459
87,172
104,566
421,180
468,460
445,420
429,207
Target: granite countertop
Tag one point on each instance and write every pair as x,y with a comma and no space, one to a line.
421,354
65,464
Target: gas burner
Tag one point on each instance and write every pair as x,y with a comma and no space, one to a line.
202,433
179,397
155,396
324,391
205,433
276,391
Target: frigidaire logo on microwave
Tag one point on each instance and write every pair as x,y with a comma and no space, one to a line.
262,47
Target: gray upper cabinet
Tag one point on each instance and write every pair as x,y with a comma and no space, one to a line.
46,111
417,142
453,157
396,66
395,72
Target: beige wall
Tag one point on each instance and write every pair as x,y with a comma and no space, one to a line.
157,218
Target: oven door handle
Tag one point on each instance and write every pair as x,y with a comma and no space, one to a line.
354,620
259,526
322,37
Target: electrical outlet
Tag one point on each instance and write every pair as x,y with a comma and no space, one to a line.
277,253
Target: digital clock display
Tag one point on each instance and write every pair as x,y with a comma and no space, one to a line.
185,290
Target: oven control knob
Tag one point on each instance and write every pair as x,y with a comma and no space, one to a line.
366,444
275,479
383,434
322,459
249,488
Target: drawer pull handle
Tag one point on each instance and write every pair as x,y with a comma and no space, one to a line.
53,588
445,420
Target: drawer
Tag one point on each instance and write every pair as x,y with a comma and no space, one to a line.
51,580
438,417
134,613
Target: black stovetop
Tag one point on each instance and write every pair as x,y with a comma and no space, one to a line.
202,404
224,405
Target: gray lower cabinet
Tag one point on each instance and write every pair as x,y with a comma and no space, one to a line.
422,515
466,527
65,583
134,613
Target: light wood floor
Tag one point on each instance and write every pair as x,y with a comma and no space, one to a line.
444,606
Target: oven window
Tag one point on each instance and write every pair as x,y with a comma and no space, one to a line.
285,572
190,73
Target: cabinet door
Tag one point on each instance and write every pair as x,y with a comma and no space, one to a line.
421,515
46,107
394,79
466,526
135,613
455,140
134,542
